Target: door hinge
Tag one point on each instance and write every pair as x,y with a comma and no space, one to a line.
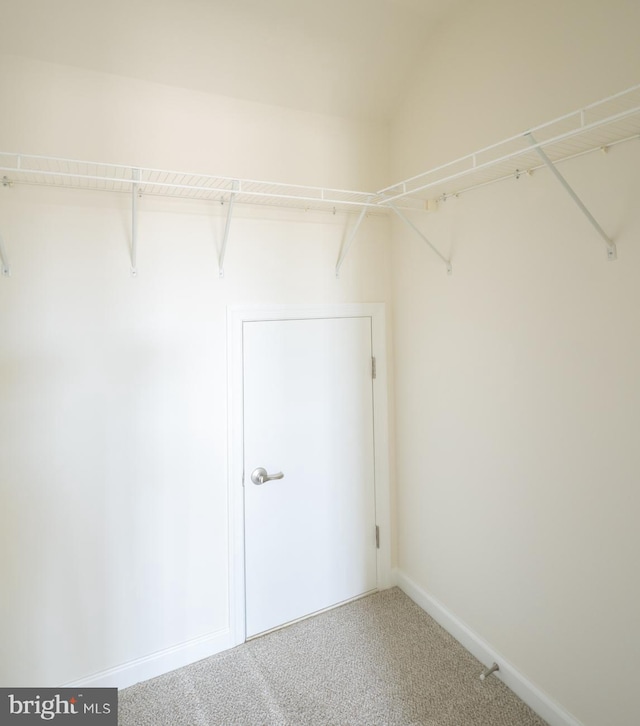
374,371
377,537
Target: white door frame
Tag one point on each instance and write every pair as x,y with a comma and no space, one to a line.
236,316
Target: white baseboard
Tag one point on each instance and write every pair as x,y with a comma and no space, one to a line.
157,663
542,704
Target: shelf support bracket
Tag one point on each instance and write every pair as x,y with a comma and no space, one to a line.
346,245
227,227
611,247
410,224
4,260
134,222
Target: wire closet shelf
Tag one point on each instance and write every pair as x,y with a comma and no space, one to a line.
600,125
605,123
98,176
610,121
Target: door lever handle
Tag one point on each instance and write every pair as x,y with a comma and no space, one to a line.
260,476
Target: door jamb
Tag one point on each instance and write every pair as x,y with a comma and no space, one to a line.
236,317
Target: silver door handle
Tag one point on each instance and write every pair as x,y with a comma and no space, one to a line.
260,476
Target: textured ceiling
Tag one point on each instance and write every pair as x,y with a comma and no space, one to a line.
345,57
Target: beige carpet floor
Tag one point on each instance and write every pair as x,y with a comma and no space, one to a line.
379,661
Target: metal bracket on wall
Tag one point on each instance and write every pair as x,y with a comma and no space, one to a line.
135,174
4,260
227,227
410,224
611,247
6,270
346,245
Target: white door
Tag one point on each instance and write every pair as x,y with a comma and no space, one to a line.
308,414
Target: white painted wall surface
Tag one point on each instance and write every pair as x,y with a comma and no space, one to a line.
113,390
517,388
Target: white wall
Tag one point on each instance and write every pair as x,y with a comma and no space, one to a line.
113,468
517,389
